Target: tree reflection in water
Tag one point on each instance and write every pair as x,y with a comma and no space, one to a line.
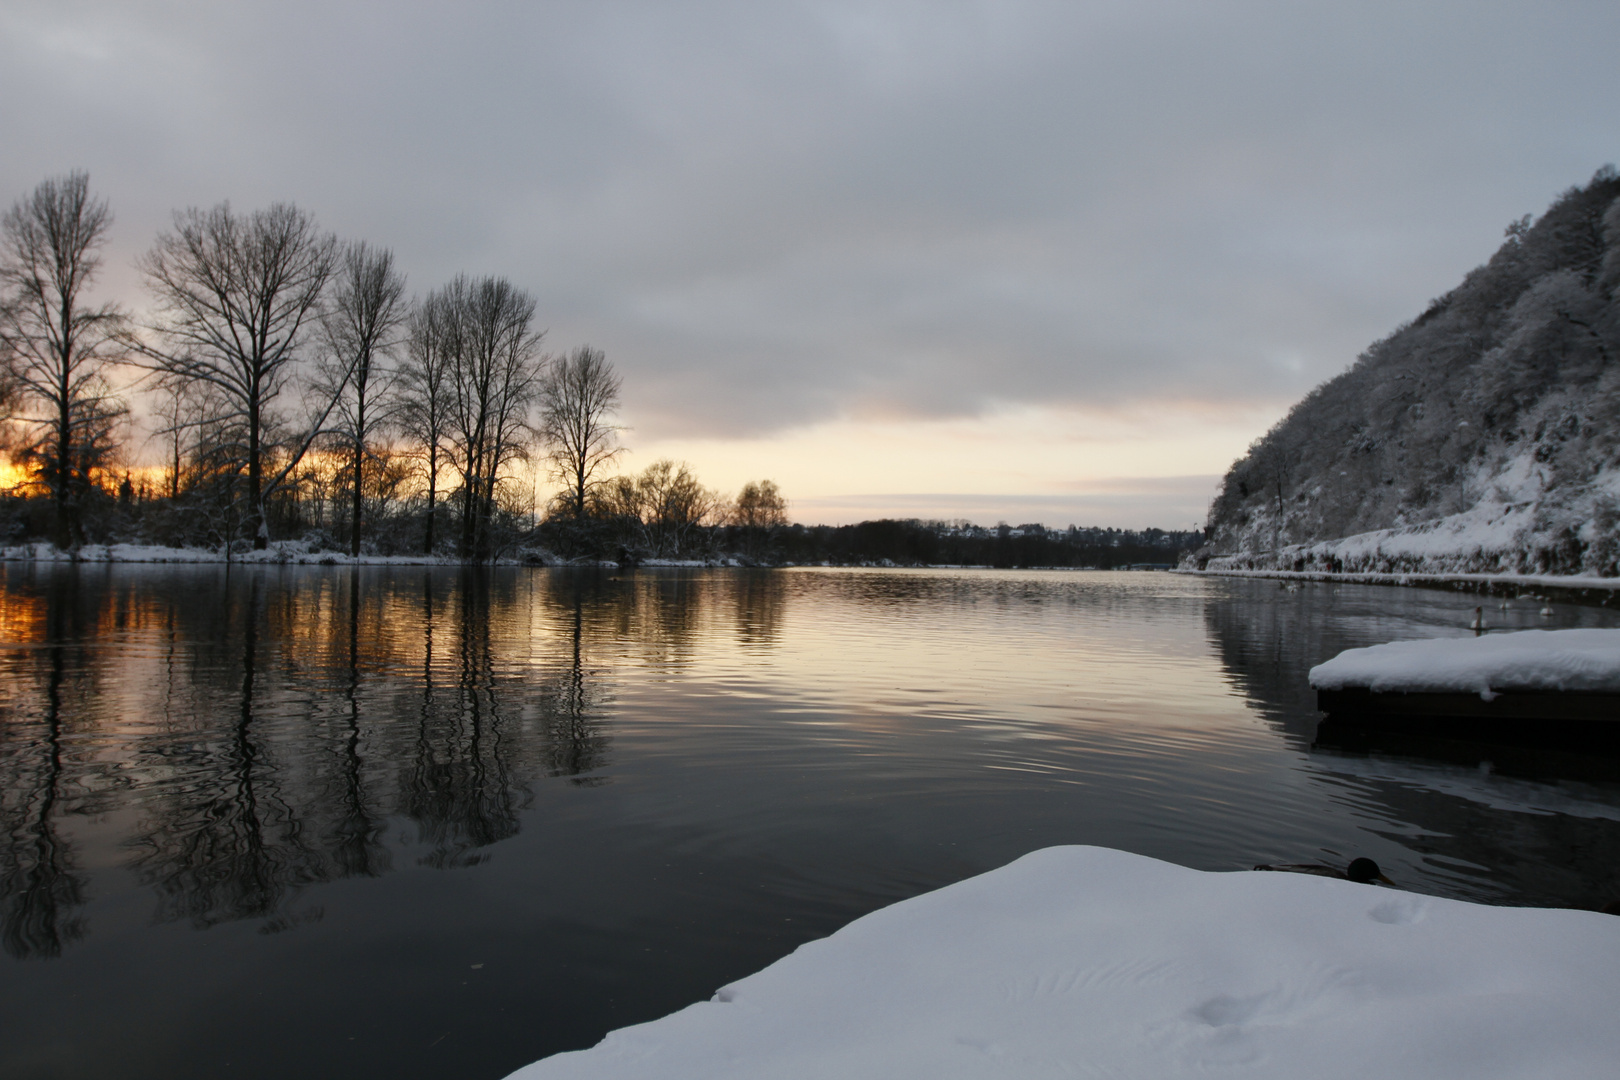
356,838
459,787
221,839
39,884
570,711
255,731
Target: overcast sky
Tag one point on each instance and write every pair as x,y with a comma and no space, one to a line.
1055,262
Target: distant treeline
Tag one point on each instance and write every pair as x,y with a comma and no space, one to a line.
932,543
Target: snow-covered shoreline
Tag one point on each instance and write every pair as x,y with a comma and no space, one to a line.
280,552
283,552
1512,534
1095,962
295,552
1568,661
1550,586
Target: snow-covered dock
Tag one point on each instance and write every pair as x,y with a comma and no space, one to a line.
1083,961
1528,674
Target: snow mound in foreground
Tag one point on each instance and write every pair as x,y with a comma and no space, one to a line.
1083,961
1586,661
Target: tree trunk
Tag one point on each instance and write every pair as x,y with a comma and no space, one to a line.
354,532
66,527
256,523
433,482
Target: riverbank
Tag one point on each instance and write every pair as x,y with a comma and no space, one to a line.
297,552
279,552
283,552
1578,590
1567,589
1093,961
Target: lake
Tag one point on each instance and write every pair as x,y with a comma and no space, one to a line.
426,822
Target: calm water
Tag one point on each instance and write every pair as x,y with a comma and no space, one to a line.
406,822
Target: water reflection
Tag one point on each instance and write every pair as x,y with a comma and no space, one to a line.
462,787
573,709
265,727
40,888
1494,819
1550,751
478,817
357,835
225,831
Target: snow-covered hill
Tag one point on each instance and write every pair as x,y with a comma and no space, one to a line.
1483,437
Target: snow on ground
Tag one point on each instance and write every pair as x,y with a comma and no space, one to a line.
1083,961
1515,525
281,551
301,553
1529,583
1490,537
1558,660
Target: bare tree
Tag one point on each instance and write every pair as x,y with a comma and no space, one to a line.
577,397
496,372
674,505
236,297
426,391
759,506
57,346
362,327
181,415
619,498
10,392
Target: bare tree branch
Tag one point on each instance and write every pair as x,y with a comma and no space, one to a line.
236,295
361,329
577,397
495,373
57,347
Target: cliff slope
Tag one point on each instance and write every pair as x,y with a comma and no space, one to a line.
1482,437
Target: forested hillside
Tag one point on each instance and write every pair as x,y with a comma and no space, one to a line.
1480,437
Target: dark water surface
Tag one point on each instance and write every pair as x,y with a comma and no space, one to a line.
411,822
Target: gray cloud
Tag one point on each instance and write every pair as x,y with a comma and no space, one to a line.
771,214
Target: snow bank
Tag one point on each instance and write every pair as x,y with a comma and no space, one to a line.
1515,525
280,552
1568,660
1528,584
1081,961
303,553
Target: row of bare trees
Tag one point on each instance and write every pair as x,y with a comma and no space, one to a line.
271,344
